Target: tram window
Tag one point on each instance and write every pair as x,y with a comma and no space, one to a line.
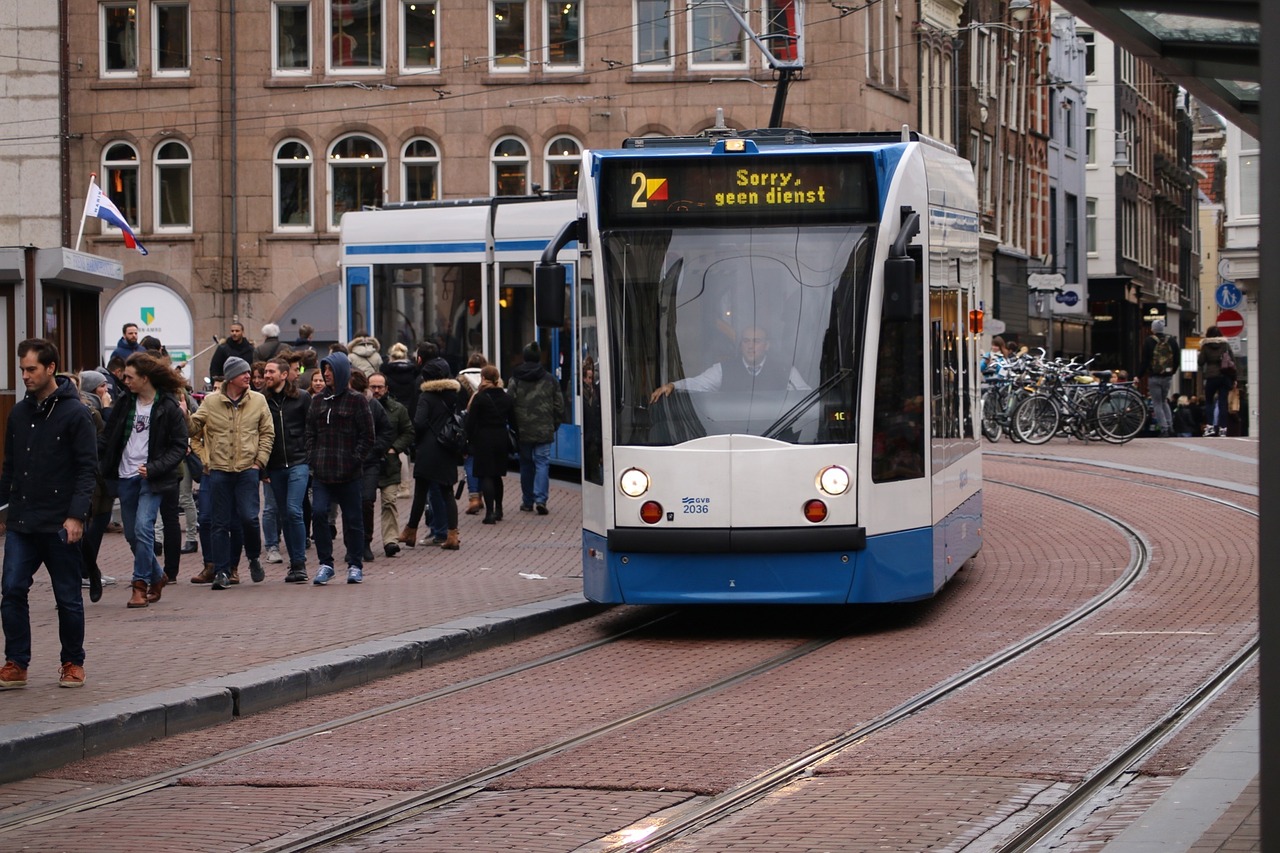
898,431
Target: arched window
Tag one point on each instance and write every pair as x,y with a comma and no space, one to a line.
510,167
173,187
120,181
420,171
293,186
563,157
357,176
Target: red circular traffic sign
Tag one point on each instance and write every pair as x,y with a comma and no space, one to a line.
1230,323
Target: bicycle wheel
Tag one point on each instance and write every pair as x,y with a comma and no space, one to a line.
1035,420
991,415
1122,413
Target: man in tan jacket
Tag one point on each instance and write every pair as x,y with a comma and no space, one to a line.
232,432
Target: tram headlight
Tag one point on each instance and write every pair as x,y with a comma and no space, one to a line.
633,482
833,480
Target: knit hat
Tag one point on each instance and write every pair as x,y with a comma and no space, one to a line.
91,380
1158,327
532,352
233,367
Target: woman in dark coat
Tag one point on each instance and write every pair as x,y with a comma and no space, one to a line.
489,416
433,466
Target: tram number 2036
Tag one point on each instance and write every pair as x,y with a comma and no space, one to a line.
695,506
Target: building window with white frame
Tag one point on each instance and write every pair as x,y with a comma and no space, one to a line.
563,159
653,48
420,171
1091,137
120,182
563,23
1248,169
293,186
509,35
173,187
510,167
355,36
716,40
357,176
884,23
119,52
291,37
171,39
419,35
1091,227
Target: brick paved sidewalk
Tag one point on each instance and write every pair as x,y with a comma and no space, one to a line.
195,633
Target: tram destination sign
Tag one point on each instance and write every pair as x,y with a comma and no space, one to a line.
737,190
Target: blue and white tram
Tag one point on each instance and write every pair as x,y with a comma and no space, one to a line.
460,272
787,399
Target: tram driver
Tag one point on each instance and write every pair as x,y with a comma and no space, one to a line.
754,371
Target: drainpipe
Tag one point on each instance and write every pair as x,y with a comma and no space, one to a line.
64,123
235,227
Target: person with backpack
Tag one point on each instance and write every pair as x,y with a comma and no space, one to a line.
1161,356
436,461
1218,369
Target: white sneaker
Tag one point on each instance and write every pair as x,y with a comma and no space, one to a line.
273,555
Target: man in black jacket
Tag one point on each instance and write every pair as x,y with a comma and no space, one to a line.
235,345
287,472
47,482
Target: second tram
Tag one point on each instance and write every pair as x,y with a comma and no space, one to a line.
780,387
460,273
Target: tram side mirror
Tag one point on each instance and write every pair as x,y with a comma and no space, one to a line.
900,289
549,285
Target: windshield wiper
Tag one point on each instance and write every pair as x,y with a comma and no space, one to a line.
793,414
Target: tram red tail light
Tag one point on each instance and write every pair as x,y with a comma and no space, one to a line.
815,511
651,512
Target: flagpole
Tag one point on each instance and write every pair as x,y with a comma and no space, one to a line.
93,176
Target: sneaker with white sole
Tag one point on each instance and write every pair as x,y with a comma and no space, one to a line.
323,576
355,574
273,555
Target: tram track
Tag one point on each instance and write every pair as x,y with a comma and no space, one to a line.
681,822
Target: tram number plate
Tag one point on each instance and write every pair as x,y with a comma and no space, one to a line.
695,506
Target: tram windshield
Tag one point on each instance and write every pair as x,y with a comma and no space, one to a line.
746,331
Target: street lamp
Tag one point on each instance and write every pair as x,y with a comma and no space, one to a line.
1020,10
1121,161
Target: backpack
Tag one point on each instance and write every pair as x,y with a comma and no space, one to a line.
451,434
1227,364
1162,357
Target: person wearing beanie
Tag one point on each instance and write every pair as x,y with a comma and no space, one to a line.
1161,357
93,386
270,346
539,409
232,432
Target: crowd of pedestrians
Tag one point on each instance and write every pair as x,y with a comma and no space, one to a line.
289,446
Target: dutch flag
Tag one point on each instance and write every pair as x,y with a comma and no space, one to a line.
100,205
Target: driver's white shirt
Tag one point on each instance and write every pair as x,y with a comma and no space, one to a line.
710,379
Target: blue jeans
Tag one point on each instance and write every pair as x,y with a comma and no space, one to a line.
473,482
139,507
234,504
270,517
288,487
347,497
535,472
23,554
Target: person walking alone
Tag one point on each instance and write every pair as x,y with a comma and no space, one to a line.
490,421
47,482
1161,357
144,442
539,409
1219,379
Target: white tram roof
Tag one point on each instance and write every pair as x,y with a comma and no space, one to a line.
454,232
